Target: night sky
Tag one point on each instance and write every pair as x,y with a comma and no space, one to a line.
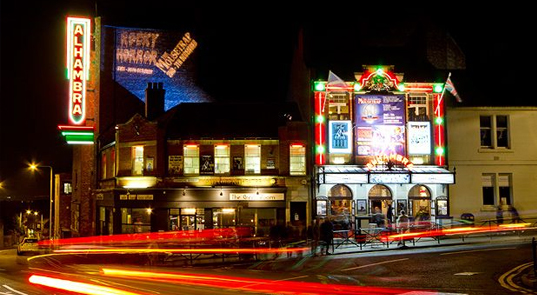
245,45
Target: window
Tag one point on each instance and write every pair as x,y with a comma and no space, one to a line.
135,220
504,184
417,107
297,160
103,166
138,160
191,159
502,188
67,188
221,159
113,161
339,106
494,131
252,158
488,189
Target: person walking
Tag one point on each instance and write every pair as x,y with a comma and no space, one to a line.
327,235
402,226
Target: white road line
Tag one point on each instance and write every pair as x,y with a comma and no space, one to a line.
13,290
480,250
373,264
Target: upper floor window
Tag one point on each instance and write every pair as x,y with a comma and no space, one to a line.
67,188
297,159
494,131
252,158
417,107
497,185
221,159
137,160
339,106
103,165
191,154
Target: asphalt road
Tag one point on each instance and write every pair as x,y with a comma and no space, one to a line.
484,268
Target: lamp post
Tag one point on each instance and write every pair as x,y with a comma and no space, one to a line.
34,167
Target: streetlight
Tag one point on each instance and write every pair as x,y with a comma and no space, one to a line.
33,167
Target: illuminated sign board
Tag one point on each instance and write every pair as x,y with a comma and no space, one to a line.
345,178
78,66
340,137
444,178
143,55
419,138
389,178
257,197
383,159
379,123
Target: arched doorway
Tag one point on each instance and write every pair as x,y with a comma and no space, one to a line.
380,201
420,202
340,197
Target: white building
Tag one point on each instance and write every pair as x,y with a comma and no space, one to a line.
494,153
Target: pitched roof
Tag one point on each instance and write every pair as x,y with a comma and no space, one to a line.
228,120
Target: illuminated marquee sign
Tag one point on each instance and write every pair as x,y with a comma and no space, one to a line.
384,159
78,59
257,197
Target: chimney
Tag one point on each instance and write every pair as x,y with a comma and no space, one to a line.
154,100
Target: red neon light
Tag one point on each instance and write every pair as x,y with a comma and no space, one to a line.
320,128
439,141
75,128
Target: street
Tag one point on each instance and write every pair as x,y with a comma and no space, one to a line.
474,269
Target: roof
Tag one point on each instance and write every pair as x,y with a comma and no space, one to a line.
228,120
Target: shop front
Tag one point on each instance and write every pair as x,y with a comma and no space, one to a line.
152,210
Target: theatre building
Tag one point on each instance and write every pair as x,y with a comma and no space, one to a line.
204,165
380,143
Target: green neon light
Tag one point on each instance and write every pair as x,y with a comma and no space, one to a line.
438,88
439,120
75,133
319,86
320,119
439,151
357,86
401,87
320,149
79,138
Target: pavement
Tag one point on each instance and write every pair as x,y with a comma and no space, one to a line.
528,275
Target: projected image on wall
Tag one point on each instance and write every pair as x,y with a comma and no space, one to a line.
145,55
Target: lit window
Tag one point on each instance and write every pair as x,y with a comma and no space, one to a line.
297,160
103,165
221,159
113,161
67,188
338,108
504,187
252,158
138,160
417,107
494,131
191,159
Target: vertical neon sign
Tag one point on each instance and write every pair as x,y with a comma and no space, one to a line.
320,128
78,58
439,140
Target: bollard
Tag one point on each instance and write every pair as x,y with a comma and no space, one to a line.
534,256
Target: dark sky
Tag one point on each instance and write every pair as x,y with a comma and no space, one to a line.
239,44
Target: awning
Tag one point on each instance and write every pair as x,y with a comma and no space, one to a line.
352,174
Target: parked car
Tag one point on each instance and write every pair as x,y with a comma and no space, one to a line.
29,245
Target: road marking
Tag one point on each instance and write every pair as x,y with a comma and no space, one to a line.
480,250
373,264
467,273
431,293
13,290
506,280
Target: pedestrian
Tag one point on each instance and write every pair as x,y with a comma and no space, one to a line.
402,226
315,236
499,215
378,217
389,214
515,218
327,235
